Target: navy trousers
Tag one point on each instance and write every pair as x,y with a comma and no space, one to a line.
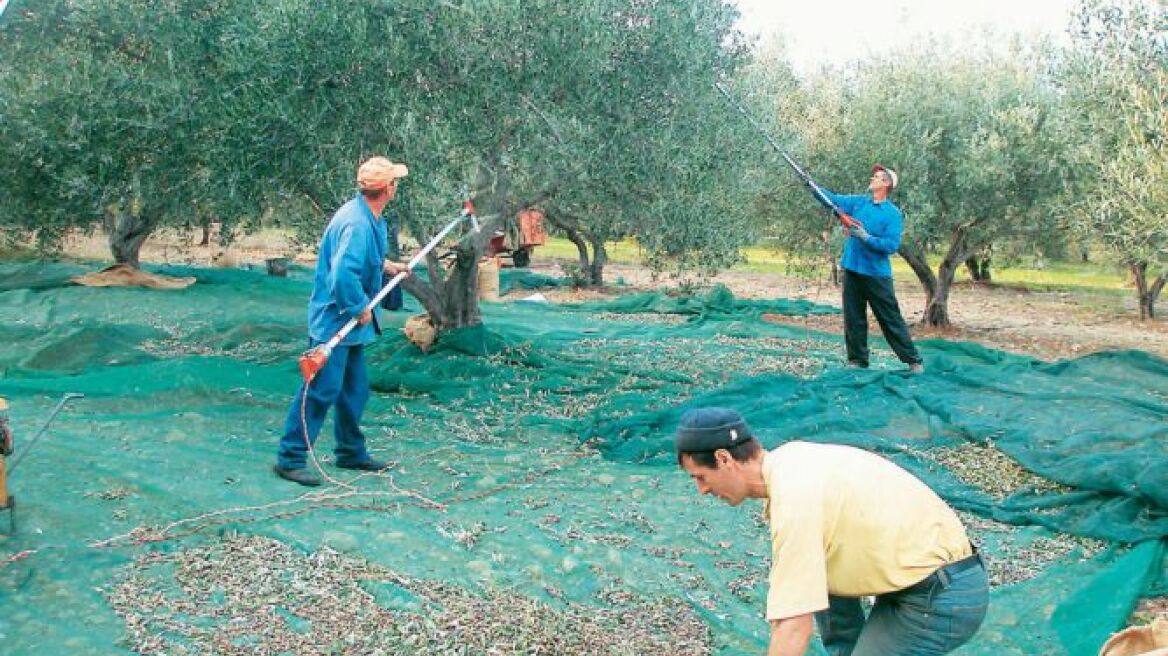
860,292
342,383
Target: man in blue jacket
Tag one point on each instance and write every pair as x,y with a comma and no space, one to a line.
868,272
350,265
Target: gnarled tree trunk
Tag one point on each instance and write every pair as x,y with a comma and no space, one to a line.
937,286
460,294
978,267
127,230
1147,293
450,295
915,256
592,255
599,259
205,226
937,310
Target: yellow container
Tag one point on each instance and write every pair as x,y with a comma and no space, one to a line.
489,279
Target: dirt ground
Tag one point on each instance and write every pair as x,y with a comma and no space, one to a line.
1050,325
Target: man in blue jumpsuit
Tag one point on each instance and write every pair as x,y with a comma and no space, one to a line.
868,272
350,266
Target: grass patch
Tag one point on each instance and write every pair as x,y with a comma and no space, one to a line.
558,248
1063,275
1049,276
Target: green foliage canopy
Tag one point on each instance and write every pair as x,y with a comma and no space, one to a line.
598,109
979,157
1115,80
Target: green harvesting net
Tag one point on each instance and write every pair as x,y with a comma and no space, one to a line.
533,506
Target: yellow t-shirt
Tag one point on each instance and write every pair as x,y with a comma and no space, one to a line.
850,523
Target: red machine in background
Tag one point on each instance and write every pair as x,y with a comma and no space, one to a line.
519,237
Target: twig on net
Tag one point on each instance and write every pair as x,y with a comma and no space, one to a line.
323,498
18,556
27,553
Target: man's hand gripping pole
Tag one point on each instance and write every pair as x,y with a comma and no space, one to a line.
314,359
818,192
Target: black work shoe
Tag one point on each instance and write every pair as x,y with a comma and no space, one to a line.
301,476
369,465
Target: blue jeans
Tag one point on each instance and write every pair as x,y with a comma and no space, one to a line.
343,383
932,617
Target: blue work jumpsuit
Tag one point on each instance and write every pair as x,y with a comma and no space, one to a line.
348,276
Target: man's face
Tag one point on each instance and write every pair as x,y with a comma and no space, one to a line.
391,190
880,180
725,481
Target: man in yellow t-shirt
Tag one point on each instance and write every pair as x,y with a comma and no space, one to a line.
845,524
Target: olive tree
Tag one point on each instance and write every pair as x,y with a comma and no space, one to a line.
610,136
596,110
972,136
615,138
111,111
1115,79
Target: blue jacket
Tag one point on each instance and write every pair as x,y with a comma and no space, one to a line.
885,225
348,273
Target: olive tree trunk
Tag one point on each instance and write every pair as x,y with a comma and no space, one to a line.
590,250
1147,293
449,290
937,286
450,296
979,268
127,230
451,293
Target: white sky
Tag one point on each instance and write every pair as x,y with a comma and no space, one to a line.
835,31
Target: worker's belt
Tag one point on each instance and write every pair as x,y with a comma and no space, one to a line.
945,574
